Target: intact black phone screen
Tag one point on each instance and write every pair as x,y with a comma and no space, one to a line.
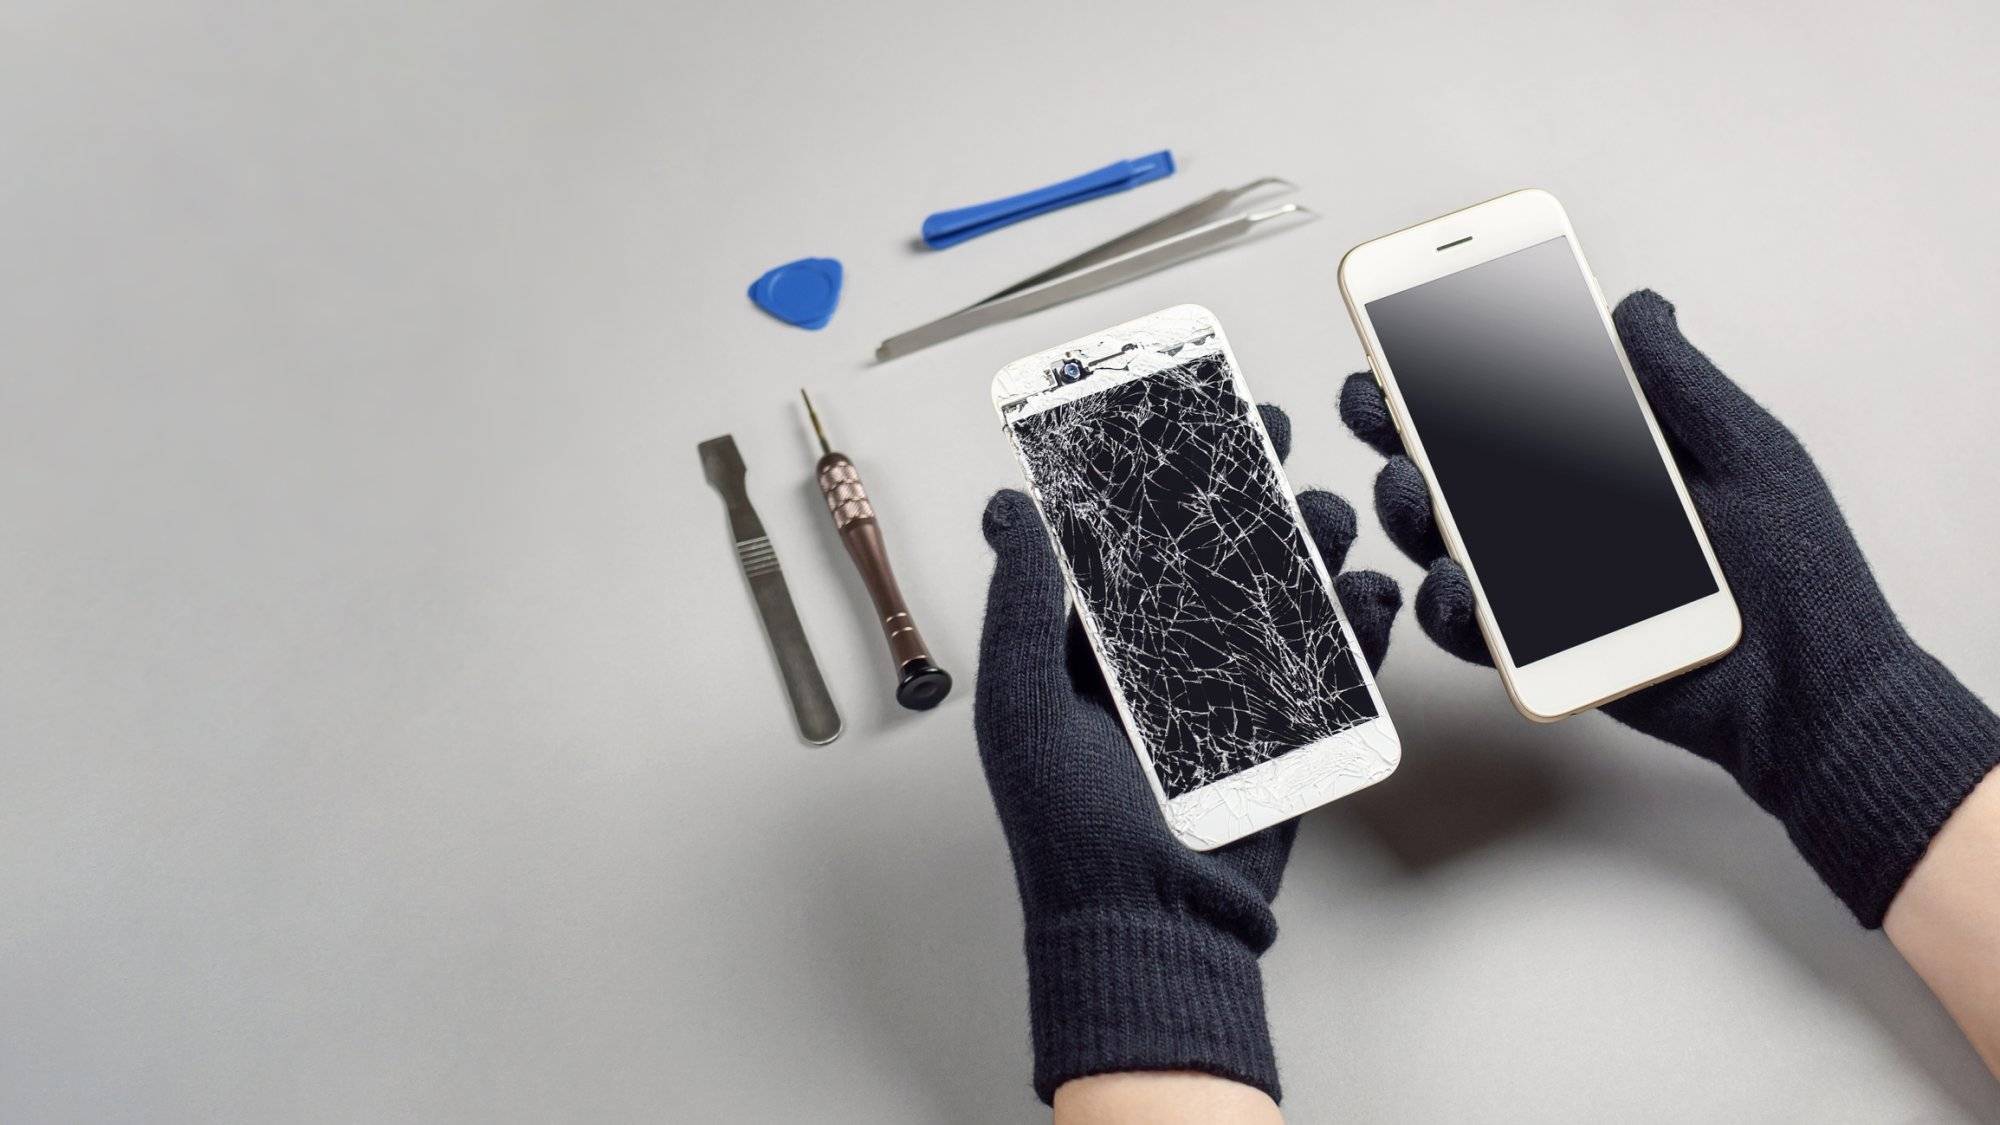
1538,444
1225,641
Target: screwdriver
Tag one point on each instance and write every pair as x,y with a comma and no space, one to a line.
920,683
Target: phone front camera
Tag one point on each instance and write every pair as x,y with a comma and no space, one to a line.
1070,371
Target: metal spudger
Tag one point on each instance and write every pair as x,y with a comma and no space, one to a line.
812,706
1174,237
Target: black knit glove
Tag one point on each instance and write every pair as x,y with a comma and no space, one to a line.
1142,953
1827,713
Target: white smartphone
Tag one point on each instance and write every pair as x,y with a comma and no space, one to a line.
1552,484
1211,612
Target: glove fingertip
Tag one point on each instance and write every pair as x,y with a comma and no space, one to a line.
1022,640
1007,514
1332,522
1647,305
1403,504
1445,612
1371,600
1278,424
1661,356
1024,564
1366,414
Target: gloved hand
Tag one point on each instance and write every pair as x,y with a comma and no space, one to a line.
1827,713
1142,953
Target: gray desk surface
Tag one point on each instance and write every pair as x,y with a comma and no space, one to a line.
383,732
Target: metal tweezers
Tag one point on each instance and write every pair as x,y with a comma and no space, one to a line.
1189,232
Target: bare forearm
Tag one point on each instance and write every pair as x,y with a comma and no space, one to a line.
1946,919
1166,1097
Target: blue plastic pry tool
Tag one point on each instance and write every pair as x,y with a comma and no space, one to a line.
804,292
949,228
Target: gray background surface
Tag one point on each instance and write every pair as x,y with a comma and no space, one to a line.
383,729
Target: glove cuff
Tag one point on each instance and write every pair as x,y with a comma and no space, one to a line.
1882,775
1117,990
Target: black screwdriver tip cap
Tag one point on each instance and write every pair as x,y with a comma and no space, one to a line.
924,685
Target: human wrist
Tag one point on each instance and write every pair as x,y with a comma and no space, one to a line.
1944,919
1162,1097
1115,989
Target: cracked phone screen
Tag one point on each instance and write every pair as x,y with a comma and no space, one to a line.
1221,635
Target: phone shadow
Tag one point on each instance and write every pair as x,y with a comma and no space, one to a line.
1457,796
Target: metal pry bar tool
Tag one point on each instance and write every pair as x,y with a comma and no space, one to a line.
920,683
1186,233
818,722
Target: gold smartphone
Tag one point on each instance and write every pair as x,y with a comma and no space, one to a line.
1551,481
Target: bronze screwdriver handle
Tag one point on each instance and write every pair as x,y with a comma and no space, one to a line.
921,684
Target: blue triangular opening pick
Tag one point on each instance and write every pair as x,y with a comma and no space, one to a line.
804,292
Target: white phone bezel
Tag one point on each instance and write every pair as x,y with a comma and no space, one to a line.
1272,791
1617,663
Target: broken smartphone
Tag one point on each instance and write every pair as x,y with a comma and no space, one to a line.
1211,612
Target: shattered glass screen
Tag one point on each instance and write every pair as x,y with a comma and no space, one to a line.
1224,640
1540,448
